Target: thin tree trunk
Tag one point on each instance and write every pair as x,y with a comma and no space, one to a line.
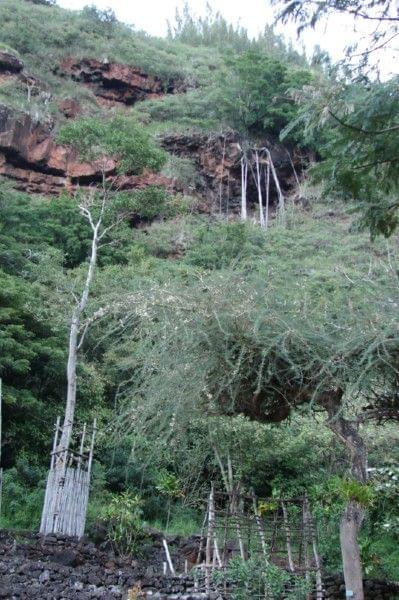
74,346
287,537
267,191
281,200
293,168
244,179
259,188
352,518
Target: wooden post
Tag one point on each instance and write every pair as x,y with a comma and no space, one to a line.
259,526
82,444
216,552
305,541
93,435
319,582
238,529
274,533
201,544
209,539
55,443
168,558
287,536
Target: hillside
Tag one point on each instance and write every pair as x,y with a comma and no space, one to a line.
172,208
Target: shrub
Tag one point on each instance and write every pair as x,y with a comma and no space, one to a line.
123,521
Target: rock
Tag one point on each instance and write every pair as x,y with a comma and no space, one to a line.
30,156
44,576
114,83
78,586
9,63
5,592
68,558
93,579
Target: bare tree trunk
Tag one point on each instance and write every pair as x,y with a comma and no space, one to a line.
352,518
281,200
74,344
267,192
259,188
244,180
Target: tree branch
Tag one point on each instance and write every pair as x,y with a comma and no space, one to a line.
360,129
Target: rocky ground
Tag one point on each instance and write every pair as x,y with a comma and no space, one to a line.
57,568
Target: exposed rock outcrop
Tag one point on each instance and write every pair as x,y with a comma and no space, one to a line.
30,156
12,68
217,159
114,83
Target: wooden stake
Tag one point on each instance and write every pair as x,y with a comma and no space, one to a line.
305,539
209,538
319,582
259,525
168,558
238,530
287,536
201,544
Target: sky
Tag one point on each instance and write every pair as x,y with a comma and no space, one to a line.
152,16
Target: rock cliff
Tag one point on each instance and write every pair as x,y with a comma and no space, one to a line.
31,157
114,83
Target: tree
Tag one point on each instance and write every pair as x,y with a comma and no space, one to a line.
104,208
255,101
382,13
235,345
356,113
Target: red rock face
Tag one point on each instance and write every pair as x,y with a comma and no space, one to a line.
30,156
113,83
11,68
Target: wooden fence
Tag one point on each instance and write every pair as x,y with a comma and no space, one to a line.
68,484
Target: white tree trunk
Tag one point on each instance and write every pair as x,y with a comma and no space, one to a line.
65,439
259,188
281,200
267,193
244,180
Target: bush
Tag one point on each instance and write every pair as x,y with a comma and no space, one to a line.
256,578
23,495
123,521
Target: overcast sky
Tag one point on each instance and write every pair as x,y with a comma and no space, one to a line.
152,16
